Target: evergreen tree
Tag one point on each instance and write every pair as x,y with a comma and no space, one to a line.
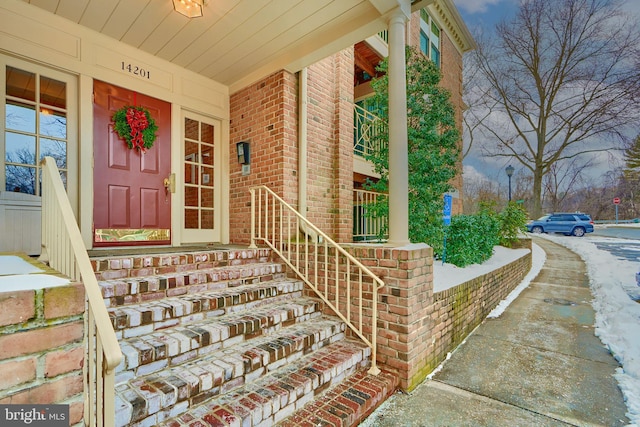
632,160
433,145
629,185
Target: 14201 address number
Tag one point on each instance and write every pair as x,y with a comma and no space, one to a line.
135,70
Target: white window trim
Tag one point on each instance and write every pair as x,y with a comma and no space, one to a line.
71,81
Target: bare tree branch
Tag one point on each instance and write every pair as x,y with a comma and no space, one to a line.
559,81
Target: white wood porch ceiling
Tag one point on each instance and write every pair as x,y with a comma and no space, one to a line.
236,42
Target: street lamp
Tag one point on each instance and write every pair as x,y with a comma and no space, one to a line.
509,171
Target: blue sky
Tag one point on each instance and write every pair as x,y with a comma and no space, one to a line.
485,13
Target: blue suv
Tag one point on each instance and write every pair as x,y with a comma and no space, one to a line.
576,224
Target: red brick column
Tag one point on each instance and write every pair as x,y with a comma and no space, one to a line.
42,348
404,308
265,115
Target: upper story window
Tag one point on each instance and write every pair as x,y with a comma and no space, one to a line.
429,37
35,126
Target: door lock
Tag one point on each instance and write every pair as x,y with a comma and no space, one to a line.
170,183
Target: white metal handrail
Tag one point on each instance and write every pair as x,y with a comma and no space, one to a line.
367,227
65,252
347,287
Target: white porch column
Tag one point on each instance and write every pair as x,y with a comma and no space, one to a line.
398,155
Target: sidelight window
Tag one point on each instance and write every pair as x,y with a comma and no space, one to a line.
35,126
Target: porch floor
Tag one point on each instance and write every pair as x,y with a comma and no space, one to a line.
155,250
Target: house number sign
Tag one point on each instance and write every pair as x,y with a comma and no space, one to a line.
135,70
132,67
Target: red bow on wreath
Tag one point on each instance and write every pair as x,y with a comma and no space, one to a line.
138,122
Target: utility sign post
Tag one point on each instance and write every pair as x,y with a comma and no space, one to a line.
616,202
446,212
446,219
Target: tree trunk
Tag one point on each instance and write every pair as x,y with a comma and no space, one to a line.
536,210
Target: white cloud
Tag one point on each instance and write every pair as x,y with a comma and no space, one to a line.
471,174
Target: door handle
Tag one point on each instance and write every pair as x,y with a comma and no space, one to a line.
170,183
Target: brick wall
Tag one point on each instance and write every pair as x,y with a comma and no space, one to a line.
417,327
266,115
41,347
330,145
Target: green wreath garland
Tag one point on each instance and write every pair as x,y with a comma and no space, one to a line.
136,126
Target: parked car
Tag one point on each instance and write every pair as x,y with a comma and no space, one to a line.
576,224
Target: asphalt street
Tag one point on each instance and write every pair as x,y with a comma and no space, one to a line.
627,248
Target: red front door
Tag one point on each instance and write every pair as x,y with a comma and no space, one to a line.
131,205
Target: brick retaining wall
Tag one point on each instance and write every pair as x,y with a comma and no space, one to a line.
41,346
418,327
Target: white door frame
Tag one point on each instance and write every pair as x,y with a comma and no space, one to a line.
197,235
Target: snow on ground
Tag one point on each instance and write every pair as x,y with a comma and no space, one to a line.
447,276
617,325
538,257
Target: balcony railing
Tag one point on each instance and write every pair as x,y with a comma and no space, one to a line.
64,250
345,285
367,226
367,126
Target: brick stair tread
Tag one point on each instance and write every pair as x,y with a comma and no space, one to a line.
135,265
130,290
165,312
159,348
274,397
348,403
224,369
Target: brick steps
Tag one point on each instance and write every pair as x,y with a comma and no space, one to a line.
275,397
148,353
118,267
132,320
346,404
224,338
220,371
136,290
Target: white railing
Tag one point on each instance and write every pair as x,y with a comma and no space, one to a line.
366,127
64,250
367,227
345,285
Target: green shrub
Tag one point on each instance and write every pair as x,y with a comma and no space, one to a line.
471,238
513,220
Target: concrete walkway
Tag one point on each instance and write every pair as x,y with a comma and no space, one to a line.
538,364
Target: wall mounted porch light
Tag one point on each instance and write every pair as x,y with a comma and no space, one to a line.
244,156
189,8
242,149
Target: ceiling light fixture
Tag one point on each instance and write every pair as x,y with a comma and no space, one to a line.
189,8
